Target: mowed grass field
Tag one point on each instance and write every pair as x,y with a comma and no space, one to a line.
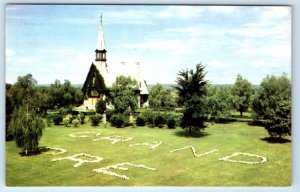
180,168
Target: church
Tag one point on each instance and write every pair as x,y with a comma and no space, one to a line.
101,77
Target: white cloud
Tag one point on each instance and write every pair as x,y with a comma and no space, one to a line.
215,64
227,10
182,12
194,31
9,52
162,44
280,50
259,64
280,12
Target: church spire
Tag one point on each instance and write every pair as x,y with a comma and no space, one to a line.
100,49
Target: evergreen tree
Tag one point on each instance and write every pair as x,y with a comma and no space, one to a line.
192,90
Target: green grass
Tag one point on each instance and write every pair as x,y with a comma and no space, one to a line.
180,168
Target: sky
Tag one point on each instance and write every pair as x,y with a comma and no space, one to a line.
59,41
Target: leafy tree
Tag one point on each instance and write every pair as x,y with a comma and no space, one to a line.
63,95
219,102
123,94
279,123
100,106
192,90
272,102
160,98
26,128
271,91
242,91
20,93
9,110
24,92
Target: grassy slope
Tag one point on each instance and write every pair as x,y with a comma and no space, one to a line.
173,169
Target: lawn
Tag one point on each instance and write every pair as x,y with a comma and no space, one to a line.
180,168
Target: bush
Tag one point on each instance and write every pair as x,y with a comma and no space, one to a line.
95,119
140,120
119,120
49,120
149,116
159,121
171,122
109,113
67,120
81,118
57,118
75,122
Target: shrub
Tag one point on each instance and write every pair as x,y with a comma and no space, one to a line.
57,118
140,120
95,119
119,120
171,122
75,122
67,120
65,110
49,120
149,116
81,118
159,121
109,113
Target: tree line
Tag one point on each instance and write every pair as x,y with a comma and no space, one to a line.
197,100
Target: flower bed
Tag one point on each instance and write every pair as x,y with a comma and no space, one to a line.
60,150
82,134
151,145
227,158
114,139
80,161
194,151
121,166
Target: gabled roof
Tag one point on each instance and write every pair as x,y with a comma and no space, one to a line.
94,80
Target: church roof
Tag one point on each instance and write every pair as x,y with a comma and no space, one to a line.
94,80
100,41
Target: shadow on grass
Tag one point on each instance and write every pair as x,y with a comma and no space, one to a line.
36,151
256,123
184,133
275,140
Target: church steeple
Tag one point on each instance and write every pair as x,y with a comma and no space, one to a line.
100,49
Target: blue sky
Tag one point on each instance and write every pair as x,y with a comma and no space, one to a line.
58,41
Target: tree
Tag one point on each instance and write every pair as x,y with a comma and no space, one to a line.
160,98
26,128
242,91
123,94
8,110
192,90
272,102
279,124
219,102
22,92
64,95
271,91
